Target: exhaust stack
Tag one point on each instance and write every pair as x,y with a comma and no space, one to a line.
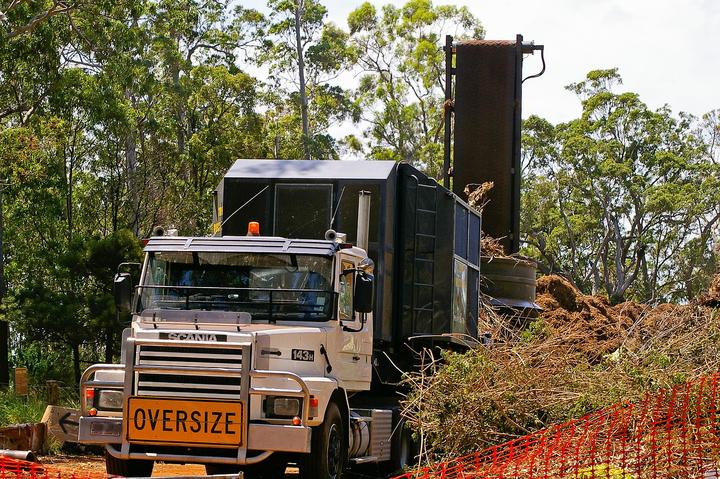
363,226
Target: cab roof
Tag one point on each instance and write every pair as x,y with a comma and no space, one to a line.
241,244
311,169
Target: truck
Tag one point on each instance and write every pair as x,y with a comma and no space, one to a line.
282,337
247,351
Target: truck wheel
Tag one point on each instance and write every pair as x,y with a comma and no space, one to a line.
127,467
215,469
328,453
404,455
271,468
403,452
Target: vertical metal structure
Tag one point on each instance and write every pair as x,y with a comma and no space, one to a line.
516,171
363,224
484,130
448,108
487,129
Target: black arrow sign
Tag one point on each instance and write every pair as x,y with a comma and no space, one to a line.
66,421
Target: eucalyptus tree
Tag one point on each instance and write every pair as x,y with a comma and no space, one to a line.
31,33
622,199
306,57
206,109
59,98
402,82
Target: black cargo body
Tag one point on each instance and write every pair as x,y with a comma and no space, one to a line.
424,240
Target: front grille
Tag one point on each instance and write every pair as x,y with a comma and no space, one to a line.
188,385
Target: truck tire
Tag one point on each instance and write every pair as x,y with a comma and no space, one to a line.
404,449
127,467
328,453
215,469
271,468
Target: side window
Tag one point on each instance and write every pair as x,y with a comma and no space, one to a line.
346,292
159,274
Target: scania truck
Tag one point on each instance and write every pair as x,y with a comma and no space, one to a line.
251,348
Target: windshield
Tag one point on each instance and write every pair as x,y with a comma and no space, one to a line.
268,286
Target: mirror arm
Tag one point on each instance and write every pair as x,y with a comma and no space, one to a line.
128,264
363,320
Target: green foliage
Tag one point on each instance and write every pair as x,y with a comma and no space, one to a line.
114,117
401,91
468,401
30,409
66,300
19,410
304,61
536,330
623,199
45,361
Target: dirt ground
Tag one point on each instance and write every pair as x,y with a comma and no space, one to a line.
97,464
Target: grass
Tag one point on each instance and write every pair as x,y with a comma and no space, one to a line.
30,409
17,409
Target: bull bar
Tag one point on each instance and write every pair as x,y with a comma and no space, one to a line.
276,435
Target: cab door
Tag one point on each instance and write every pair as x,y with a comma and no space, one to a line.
355,336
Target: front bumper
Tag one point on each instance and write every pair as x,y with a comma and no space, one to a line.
263,438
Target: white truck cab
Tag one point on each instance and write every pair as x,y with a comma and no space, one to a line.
241,353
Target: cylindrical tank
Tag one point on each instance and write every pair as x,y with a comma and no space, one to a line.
510,285
359,436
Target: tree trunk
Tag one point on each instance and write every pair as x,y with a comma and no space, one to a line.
4,326
76,362
109,345
131,165
301,74
180,106
69,199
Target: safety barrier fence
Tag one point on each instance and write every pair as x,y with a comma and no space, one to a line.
16,469
671,433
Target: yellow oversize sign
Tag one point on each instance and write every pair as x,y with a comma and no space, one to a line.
185,421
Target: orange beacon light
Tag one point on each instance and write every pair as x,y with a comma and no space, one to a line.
253,228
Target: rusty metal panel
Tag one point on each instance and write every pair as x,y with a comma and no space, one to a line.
487,108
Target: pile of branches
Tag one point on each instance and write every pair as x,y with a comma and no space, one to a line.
578,356
478,195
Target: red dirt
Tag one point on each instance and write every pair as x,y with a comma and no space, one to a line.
97,464
85,464
589,324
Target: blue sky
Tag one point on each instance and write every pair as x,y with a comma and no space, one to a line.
666,50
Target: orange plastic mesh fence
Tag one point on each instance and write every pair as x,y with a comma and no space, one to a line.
672,433
16,469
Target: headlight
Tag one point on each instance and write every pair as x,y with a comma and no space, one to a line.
109,399
281,407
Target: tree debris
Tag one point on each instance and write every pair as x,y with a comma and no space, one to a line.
579,355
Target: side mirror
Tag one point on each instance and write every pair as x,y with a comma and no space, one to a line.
123,291
363,298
